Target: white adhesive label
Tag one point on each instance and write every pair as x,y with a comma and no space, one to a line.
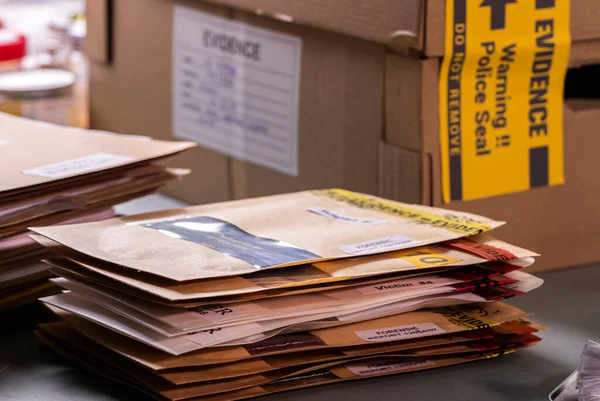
384,244
400,332
408,284
343,219
236,89
85,164
3,142
383,368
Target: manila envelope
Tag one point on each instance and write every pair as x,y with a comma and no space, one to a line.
198,292
67,152
229,239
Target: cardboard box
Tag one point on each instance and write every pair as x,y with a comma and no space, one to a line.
368,116
560,222
131,93
415,26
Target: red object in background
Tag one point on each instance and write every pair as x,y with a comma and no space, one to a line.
13,49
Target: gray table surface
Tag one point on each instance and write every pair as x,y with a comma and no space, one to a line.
566,303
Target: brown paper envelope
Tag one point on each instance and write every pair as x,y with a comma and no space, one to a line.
58,218
175,320
84,345
355,368
204,292
100,196
23,243
59,144
74,196
441,345
332,375
439,321
318,339
217,241
339,368
85,349
18,255
92,365
106,198
455,345
437,259
77,181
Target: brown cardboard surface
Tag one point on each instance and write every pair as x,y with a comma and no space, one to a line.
24,138
381,21
341,339
85,195
400,173
132,94
555,219
89,275
214,378
547,220
340,121
398,24
323,374
403,123
333,101
97,41
283,218
368,120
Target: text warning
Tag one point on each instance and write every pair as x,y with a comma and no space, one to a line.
501,96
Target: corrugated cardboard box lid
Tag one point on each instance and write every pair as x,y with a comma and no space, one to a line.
585,29
393,22
397,24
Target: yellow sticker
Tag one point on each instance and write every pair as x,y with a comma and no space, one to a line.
468,319
501,96
426,257
446,221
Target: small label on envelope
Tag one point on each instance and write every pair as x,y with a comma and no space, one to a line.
400,332
384,244
383,368
85,164
343,219
407,284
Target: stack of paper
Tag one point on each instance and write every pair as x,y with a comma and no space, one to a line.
243,298
57,175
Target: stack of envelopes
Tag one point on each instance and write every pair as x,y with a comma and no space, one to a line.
57,175
244,298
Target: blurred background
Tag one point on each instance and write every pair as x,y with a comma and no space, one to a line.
44,70
284,96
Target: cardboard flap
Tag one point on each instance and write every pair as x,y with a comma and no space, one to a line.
98,40
582,105
400,174
403,125
67,153
585,29
381,21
